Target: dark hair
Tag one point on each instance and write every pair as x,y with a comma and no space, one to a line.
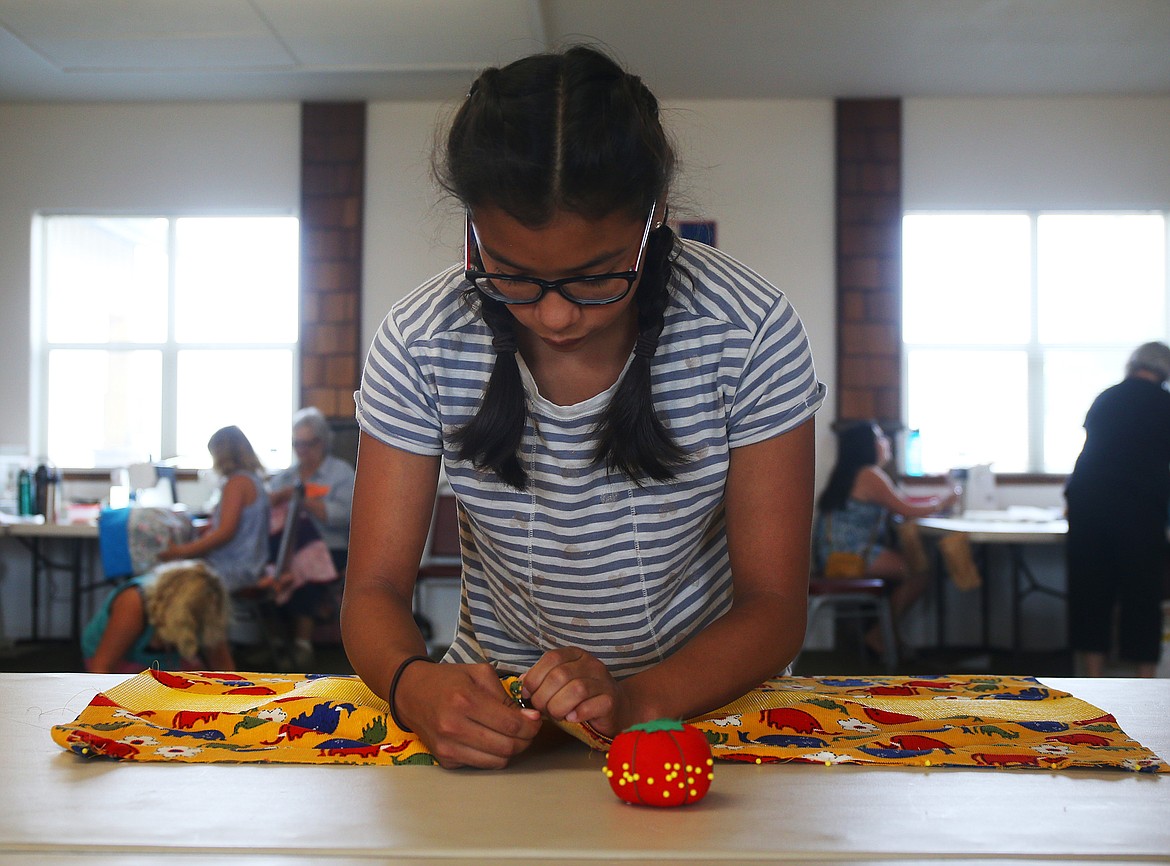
856,449
573,132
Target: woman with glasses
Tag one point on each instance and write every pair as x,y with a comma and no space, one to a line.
328,484
624,417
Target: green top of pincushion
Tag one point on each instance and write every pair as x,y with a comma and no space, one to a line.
657,725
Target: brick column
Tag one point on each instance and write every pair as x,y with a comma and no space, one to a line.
333,148
869,260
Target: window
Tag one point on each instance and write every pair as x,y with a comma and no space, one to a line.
1013,322
151,332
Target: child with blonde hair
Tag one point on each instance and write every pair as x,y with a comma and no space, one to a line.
173,618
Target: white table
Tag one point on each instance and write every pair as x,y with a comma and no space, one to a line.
556,807
1013,534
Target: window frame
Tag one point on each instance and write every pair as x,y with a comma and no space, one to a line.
1033,349
169,349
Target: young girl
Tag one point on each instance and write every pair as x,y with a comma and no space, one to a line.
164,619
853,508
235,544
622,415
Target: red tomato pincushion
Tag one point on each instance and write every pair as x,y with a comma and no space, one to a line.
660,763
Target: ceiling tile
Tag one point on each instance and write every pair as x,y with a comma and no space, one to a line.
145,34
403,35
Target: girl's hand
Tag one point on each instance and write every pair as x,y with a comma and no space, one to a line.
571,685
463,714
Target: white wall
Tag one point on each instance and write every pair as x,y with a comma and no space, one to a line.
1063,153
764,171
409,234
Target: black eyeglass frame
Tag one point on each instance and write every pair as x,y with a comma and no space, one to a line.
471,239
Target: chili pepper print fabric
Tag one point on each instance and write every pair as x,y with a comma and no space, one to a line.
960,721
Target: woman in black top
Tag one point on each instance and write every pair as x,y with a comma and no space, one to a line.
1118,497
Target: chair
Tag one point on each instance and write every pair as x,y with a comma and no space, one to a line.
441,560
858,599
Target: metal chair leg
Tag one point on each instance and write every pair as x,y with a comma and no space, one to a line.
889,636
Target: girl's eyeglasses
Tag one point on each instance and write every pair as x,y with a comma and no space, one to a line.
587,289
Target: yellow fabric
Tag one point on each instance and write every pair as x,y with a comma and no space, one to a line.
920,721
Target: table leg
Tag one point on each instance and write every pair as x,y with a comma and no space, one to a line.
1017,597
1024,583
35,548
42,564
983,557
940,605
75,591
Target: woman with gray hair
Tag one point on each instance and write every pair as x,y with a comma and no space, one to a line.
1118,499
328,485
328,481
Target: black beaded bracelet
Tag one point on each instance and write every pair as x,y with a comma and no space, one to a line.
394,688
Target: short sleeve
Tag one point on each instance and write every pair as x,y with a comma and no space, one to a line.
778,389
396,403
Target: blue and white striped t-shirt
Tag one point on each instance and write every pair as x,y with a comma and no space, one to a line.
585,557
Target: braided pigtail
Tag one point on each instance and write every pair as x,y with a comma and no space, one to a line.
492,438
632,438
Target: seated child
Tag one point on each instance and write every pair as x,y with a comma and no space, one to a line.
172,618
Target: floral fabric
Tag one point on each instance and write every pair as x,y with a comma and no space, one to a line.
961,721
150,531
